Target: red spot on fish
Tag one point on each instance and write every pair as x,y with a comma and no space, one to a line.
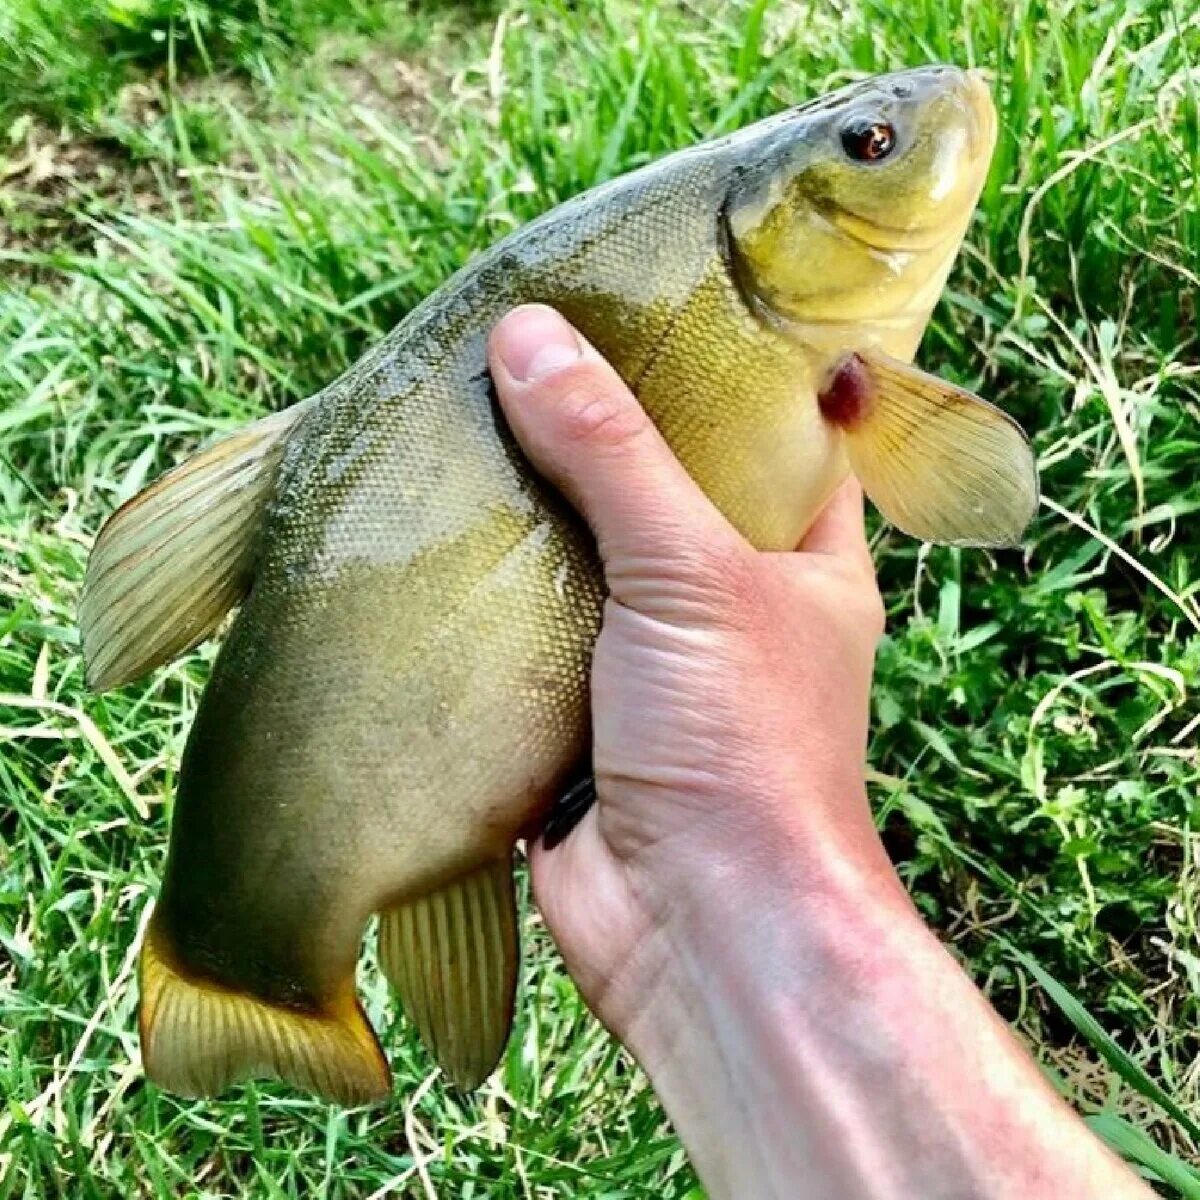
849,392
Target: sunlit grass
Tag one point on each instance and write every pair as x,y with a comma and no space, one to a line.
1035,753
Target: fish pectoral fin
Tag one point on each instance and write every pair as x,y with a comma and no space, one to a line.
198,1038
939,462
452,957
171,562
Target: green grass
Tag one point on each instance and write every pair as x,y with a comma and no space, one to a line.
283,199
69,59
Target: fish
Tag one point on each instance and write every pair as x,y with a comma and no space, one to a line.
403,693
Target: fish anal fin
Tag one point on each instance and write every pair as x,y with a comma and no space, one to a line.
452,956
198,1038
171,562
939,463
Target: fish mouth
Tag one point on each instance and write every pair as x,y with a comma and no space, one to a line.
961,171
978,97
798,326
911,236
886,239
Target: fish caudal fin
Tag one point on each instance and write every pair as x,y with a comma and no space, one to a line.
452,956
936,460
198,1038
171,562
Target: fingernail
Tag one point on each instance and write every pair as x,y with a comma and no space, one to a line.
534,341
569,809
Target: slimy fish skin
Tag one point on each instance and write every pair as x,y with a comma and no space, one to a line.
404,689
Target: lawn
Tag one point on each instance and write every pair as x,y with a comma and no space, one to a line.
208,209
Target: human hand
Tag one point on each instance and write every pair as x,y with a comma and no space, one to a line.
727,908
729,687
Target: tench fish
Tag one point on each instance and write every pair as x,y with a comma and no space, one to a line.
404,691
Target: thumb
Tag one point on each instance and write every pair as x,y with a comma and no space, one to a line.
586,432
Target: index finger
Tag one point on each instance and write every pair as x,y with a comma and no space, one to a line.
840,528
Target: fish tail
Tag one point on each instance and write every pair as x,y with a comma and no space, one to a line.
199,1037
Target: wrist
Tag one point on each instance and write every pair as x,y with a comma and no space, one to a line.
804,1024
729,1002
738,928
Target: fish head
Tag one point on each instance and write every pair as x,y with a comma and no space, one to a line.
848,212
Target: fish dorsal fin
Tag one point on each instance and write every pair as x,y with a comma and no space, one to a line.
198,1037
171,562
939,463
452,957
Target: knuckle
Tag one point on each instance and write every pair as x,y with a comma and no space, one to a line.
725,574
874,613
847,596
858,597
861,607
598,411
877,605
705,586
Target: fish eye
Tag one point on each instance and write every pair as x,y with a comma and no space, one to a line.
868,141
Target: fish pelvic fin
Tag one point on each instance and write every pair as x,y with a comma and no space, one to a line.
199,1037
171,562
452,956
939,463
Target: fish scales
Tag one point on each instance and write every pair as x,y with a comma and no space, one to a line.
405,688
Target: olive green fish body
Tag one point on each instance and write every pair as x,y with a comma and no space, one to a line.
409,672
405,687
